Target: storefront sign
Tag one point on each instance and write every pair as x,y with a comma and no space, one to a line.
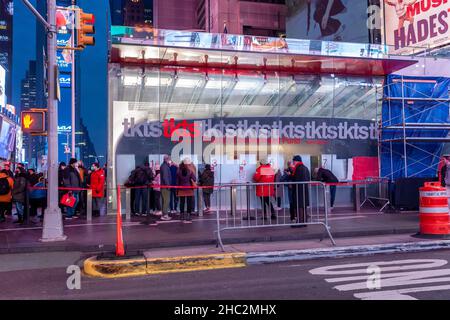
188,39
416,25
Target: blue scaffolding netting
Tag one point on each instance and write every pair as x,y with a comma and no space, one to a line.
415,110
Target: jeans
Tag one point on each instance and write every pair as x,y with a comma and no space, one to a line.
71,211
207,199
98,205
332,194
20,209
141,193
173,199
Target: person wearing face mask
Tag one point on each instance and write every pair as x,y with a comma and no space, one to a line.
97,184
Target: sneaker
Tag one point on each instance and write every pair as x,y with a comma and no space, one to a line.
157,213
68,218
187,221
278,208
166,218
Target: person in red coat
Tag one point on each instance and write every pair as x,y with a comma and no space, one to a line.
265,174
98,189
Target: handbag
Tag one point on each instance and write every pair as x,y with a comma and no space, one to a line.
68,200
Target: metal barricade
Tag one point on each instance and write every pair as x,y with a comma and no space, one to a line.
268,205
376,190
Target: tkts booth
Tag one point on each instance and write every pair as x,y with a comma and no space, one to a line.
230,101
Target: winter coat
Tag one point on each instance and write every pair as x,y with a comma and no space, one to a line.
173,172
166,176
264,174
98,183
326,175
185,181
7,197
206,180
142,176
279,188
300,192
20,189
71,178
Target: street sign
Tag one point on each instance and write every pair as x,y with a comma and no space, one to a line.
33,121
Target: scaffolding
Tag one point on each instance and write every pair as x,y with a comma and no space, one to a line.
404,127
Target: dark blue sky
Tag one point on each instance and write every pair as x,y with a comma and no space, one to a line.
93,87
24,49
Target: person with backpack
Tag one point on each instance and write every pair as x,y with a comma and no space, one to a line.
6,186
19,193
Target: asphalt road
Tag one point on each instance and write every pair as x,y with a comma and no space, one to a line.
403,276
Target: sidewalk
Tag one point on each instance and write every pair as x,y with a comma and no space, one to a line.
100,236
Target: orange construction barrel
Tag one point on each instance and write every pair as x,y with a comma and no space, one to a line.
433,211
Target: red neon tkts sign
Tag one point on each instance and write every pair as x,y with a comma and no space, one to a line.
169,127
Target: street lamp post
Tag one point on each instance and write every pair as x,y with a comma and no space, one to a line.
53,224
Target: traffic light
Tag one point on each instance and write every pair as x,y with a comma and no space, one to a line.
33,121
86,29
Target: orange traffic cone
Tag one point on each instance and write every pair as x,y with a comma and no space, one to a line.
120,250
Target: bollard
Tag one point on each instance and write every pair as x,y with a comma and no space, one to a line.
233,200
200,202
89,205
128,204
120,250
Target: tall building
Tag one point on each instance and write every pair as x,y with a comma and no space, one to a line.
131,12
252,17
6,26
85,146
28,100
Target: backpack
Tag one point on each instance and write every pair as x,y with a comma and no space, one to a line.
5,188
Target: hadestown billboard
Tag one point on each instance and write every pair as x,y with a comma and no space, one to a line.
413,25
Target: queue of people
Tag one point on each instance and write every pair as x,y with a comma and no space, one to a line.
28,187
298,191
170,189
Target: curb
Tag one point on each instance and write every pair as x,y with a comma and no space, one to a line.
342,252
142,266
229,239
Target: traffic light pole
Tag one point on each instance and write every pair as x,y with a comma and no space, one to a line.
53,224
